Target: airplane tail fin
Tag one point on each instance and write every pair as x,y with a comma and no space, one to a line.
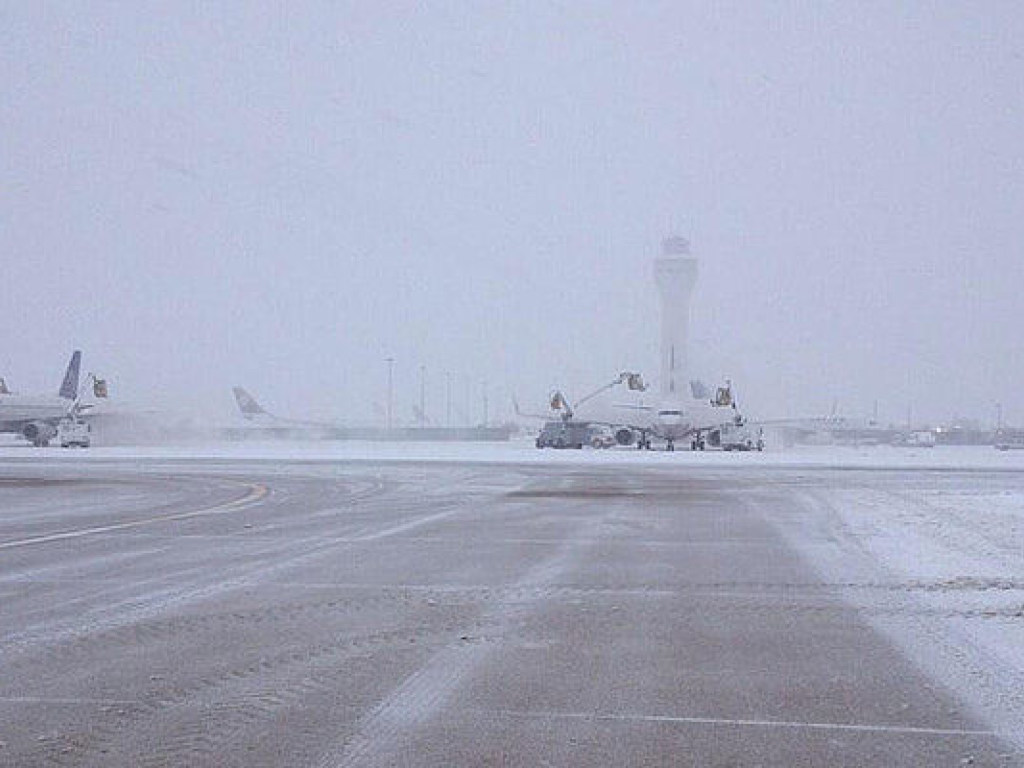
247,403
69,387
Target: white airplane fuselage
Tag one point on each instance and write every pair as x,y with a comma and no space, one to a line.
36,417
18,410
673,422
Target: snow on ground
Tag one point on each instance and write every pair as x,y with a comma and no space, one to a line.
935,560
523,451
927,543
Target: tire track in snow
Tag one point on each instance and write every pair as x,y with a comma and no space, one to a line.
381,732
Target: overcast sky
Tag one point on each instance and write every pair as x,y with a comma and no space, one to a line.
203,194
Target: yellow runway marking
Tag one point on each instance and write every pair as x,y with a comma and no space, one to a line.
256,492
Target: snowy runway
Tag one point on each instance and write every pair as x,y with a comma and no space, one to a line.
239,606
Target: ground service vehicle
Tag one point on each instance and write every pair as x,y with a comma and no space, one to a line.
564,434
74,433
1009,439
741,437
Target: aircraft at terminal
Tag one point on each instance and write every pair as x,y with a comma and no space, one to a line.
37,417
262,423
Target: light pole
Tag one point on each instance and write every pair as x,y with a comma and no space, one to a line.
447,399
423,396
484,385
391,369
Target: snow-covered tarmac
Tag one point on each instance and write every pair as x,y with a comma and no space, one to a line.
523,452
459,604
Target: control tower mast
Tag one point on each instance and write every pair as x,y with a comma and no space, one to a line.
675,273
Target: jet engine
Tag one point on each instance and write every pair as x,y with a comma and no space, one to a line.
39,433
625,436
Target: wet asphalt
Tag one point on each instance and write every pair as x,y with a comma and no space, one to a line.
243,613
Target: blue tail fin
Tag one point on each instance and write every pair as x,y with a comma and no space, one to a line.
247,403
69,388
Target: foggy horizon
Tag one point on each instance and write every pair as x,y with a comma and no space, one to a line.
209,196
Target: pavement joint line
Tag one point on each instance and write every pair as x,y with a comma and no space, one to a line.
257,491
474,588
66,700
740,722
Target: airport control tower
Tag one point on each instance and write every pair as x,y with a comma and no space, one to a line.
675,273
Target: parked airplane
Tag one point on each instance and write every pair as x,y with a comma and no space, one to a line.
267,424
35,417
671,419
252,411
675,420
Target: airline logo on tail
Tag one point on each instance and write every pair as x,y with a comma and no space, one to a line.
69,388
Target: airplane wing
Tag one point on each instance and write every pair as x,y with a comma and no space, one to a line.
523,414
639,418
803,422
